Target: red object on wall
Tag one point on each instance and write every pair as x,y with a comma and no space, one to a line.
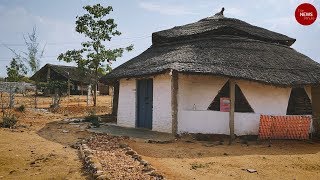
224,104
284,127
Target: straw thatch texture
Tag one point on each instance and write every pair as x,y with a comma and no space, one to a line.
223,47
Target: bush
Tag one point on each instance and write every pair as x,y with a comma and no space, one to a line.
93,119
21,108
9,121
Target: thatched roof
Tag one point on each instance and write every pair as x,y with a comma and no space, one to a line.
219,26
60,72
223,47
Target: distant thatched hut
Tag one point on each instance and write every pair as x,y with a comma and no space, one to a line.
78,80
182,82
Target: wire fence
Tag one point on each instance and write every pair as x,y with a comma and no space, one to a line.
15,94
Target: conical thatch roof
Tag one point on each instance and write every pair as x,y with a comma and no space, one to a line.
223,47
62,73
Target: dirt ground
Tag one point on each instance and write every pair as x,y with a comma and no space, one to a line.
40,148
203,160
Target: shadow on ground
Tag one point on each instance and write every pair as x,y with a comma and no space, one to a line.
64,133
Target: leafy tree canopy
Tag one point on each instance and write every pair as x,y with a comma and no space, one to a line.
16,71
94,55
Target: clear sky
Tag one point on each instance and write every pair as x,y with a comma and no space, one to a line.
137,19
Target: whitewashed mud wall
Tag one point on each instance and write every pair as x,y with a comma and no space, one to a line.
201,90
265,99
127,103
162,119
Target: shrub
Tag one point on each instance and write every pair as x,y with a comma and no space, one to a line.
21,108
93,119
9,121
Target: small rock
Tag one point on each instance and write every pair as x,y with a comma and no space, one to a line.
74,146
250,170
103,177
97,166
122,145
130,152
65,131
98,173
155,174
143,162
147,169
226,154
137,157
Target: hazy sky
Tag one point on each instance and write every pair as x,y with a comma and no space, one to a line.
137,19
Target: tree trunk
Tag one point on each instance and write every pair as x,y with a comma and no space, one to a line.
2,105
56,100
95,88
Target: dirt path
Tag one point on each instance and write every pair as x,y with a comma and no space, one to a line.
40,149
185,160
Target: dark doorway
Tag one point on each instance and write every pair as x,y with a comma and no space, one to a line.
299,102
145,103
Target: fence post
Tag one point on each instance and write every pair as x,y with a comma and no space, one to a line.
11,97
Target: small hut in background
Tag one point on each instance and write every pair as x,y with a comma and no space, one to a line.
79,80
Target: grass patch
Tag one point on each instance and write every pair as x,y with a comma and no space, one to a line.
9,121
93,119
196,166
21,108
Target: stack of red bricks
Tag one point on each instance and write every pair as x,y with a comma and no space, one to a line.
284,127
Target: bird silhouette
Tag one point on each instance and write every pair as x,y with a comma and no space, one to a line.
220,13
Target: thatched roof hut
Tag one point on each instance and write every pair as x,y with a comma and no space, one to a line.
61,72
78,78
225,47
193,74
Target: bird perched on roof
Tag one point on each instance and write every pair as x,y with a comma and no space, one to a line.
220,14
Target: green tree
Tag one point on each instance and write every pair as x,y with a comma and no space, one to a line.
16,71
32,56
94,55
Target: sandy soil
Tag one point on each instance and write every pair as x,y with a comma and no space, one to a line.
203,160
38,148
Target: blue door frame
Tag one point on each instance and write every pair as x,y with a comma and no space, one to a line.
144,103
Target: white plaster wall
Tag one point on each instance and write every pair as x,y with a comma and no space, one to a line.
265,99
162,119
246,123
199,90
215,122
127,103
308,90
207,122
